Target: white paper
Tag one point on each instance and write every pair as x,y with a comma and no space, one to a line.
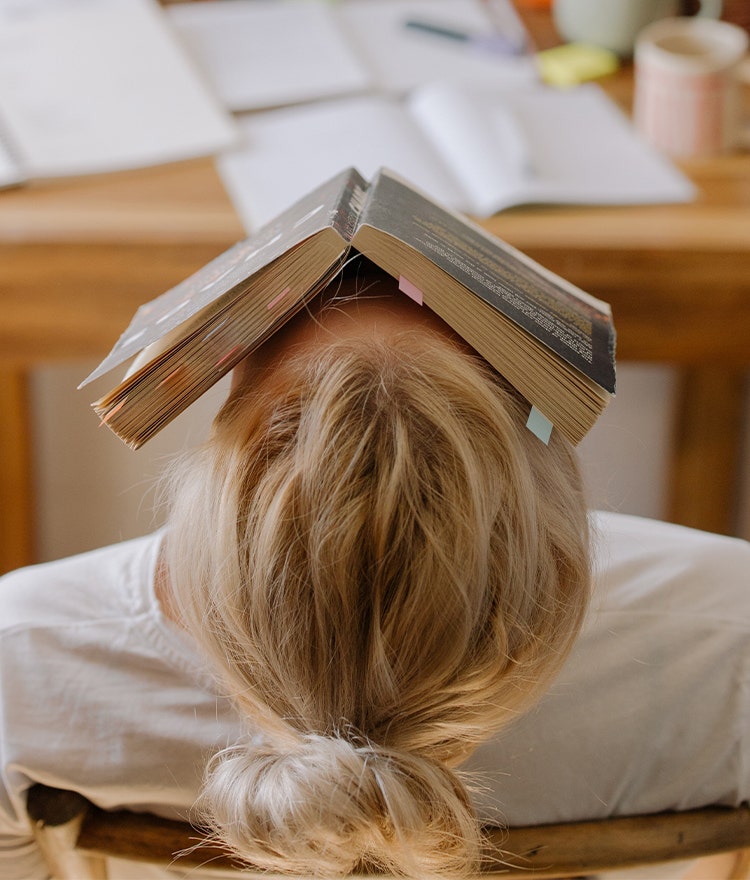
484,150
291,151
264,53
480,140
543,145
100,85
582,149
401,59
258,54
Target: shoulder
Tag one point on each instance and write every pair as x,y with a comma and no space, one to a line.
108,582
658,673
622,535
664,567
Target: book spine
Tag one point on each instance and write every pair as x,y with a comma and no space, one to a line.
514,285
351,203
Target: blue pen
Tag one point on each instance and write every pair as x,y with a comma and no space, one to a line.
494,43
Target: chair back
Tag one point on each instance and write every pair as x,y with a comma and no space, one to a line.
76,838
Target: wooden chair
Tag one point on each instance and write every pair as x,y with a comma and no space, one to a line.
77,837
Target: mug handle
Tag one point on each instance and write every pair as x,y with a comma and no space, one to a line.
709,9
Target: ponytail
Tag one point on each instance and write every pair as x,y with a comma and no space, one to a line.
329,806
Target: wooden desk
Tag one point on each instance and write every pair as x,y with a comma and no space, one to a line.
78,256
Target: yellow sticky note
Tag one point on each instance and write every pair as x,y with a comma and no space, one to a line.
574,63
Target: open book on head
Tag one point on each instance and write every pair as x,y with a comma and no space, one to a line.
476,149
553,342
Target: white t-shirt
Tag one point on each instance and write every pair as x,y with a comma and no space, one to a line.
101,694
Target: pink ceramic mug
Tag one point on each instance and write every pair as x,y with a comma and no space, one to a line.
688,74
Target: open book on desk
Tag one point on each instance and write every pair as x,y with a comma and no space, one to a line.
89,86
258,54
553,342
476,150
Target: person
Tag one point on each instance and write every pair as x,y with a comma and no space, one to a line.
367,626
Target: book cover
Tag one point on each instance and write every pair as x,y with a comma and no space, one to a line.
575,325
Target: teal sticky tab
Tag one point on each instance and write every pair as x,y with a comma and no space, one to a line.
539,425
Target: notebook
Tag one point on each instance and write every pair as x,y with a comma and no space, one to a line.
478,150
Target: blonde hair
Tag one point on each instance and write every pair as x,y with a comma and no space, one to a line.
384,565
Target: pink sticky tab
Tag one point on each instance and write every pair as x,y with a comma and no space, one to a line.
114,410
405,286
279,296
226,357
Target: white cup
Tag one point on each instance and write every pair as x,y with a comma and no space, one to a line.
688,74
615,24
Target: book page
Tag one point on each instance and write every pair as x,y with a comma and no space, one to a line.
543,145
480,141
400,57
258,54
100,85
598,160
581,149
288,152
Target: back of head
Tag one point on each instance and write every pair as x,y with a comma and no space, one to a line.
384,565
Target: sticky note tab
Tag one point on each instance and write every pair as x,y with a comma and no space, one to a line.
277,299
539,425
413,292
574,63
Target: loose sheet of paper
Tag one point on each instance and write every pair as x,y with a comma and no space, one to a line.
99,85
258,54
264,53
